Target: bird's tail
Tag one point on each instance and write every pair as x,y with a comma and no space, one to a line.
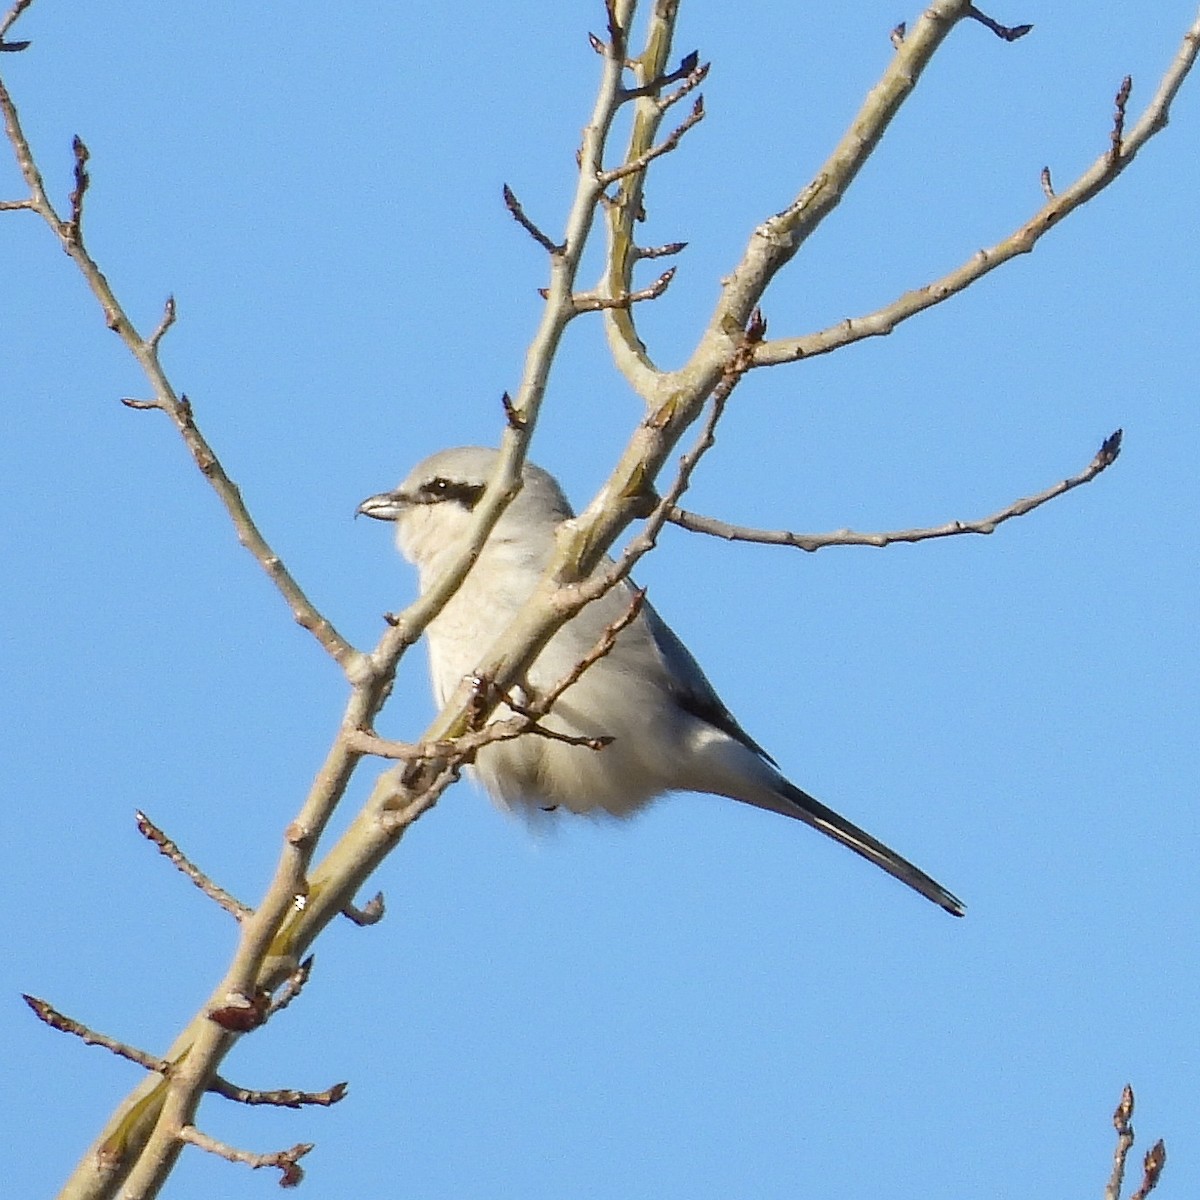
792,802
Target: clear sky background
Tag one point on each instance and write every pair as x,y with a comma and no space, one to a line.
707,1001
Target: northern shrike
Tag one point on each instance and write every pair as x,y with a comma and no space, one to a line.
669,729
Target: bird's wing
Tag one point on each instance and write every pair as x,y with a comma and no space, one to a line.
690,685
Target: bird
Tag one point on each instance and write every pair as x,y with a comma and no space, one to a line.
647,702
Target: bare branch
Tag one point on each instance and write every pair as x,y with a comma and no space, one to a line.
607,640
287,1161
280,1097
1104,458
518,214
64,1024
1097,177
169,850
1009,33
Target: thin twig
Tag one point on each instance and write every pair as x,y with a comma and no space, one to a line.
518,214
176,407
7,22
594,302
371,913
170,851
690,84
1121,1123
1152,1168
280,1097
641,252
293,985
638,164
285,1160
1095,179
82,179
689,65
1118,129
64,1024
1009,33
168,319
607,640
533,727
1104,458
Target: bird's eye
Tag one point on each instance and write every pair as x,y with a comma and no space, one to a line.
441,488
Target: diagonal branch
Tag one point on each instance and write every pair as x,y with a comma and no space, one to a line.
776,241
286,1161
169,850
639,163
64,1024
1123,148
1104,458
146,352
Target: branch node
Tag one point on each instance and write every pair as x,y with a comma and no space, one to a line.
241,1013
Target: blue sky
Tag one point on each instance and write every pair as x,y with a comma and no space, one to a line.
706,1001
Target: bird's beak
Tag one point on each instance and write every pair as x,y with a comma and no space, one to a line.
385,506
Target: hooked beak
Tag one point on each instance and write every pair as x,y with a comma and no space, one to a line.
384,506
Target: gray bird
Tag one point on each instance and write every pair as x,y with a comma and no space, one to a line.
669,729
